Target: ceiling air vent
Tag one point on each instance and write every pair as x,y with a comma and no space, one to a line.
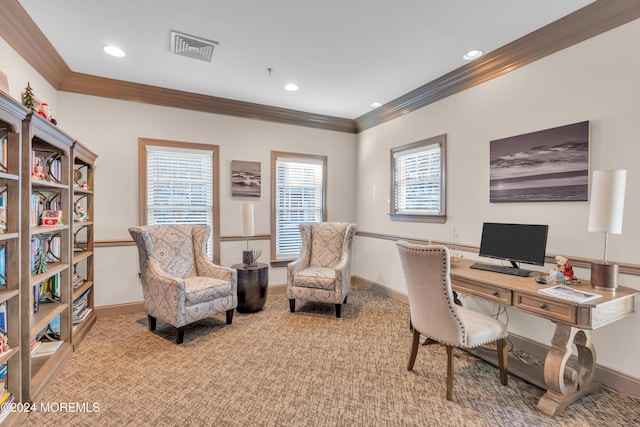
191,46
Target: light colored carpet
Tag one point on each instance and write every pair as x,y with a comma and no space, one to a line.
274,368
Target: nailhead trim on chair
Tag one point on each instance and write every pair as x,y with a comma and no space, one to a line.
453,310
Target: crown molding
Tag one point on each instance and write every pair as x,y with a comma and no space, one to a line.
21,33
136,92
589,21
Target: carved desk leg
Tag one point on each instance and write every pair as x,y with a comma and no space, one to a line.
567,380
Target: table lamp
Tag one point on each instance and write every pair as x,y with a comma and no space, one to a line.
249,257
605,215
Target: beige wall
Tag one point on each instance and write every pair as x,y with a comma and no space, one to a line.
596,80
111,128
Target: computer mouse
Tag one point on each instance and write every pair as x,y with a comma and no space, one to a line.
541,280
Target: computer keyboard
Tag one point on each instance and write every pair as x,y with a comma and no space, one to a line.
514,271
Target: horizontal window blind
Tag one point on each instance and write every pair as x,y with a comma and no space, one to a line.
417,181
298,199
180,187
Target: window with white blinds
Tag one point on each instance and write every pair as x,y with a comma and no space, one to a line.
299,194
180,187
418,174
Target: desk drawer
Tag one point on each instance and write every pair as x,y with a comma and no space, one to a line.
493,293
545,307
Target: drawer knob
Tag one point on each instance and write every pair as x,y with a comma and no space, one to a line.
543,306
495,293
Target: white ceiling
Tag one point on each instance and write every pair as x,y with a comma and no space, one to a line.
344,54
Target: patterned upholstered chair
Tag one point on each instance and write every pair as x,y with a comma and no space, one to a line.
180,284
322,273
435,315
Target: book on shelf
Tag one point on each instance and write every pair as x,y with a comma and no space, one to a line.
36,297
5,410
77,281
82,316
3,265
3,317
46,348
569,294
3,152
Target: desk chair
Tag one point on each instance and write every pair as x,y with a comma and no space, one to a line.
435,315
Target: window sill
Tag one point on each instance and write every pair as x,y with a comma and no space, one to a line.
281,262
434,219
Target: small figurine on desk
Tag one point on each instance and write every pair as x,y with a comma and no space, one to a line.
563,273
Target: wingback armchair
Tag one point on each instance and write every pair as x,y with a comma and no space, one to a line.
180,284
322,272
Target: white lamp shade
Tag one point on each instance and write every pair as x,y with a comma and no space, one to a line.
247,220
607,201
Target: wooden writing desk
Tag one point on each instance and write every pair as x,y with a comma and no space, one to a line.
565,379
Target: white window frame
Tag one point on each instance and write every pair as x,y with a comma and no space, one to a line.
209,206
431,153
279,157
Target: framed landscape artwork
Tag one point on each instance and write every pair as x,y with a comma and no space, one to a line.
544,166
245,179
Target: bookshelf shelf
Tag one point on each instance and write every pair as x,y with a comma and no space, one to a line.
52,270
9,176
48,229
8,236
39,183
80,255
4,357
7,295
44,316
77,293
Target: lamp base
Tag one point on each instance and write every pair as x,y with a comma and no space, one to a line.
249,259
604,276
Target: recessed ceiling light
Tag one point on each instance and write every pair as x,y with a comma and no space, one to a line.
473,54
291,87
114,51
375,105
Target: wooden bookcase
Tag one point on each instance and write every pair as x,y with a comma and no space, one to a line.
83,314
45,190
12,115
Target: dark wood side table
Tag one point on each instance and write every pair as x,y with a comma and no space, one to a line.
252,287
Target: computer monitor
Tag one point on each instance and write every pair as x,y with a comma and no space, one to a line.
525,243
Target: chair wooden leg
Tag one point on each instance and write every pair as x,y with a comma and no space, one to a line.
338,310
503,359
152,322
229,316
292,305
413,351
449,372
180,335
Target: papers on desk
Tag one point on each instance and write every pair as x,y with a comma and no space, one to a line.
570,294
